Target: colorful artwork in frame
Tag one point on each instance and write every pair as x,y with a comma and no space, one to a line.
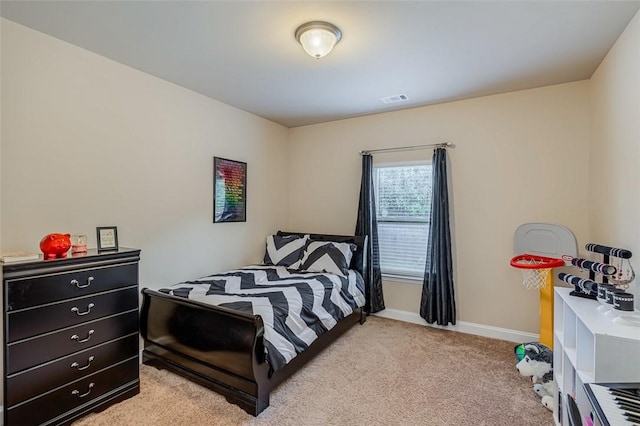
229,190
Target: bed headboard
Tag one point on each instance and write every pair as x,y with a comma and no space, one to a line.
358,261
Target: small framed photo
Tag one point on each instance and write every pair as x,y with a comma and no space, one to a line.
107,238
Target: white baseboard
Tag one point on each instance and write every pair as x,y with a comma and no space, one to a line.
463,327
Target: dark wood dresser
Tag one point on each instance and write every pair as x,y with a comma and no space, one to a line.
70,336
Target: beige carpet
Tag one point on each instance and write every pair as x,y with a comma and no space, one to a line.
382,373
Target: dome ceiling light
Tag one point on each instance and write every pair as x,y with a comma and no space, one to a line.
318,38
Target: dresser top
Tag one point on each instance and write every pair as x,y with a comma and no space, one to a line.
72,259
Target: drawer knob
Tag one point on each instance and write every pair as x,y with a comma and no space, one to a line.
82,395
84,367
77,338
77,311
77,283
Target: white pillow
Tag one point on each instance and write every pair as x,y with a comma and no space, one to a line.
327,256
285,250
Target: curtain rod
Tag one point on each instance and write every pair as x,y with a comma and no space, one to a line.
408,148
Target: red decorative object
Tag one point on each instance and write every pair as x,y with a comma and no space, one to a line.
55,245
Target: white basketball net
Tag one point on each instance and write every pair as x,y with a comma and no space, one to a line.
534,278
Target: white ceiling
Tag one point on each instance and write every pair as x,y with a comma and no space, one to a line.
244,53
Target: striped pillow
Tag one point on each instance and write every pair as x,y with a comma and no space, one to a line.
327,256
285,250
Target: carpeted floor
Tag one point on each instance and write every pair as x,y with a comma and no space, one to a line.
385,372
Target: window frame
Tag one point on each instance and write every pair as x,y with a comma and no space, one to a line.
393,276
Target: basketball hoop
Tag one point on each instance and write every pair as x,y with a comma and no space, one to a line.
535,269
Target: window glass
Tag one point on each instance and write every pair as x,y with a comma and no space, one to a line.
403,204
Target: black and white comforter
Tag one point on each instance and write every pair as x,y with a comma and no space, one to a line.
296,306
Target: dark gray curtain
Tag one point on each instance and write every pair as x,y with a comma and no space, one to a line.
438,304
368,225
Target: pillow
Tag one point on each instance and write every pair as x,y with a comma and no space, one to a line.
327,256
285,250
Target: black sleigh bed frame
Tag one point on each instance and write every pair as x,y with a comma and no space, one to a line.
223,349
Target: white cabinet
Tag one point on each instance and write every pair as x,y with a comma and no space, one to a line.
589,346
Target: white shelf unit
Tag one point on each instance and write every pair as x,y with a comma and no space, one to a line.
589,346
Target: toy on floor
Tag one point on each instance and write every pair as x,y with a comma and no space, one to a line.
535,361
544,387
547,401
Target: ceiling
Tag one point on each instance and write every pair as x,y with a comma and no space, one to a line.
244,53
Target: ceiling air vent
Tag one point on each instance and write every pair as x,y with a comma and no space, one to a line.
394,99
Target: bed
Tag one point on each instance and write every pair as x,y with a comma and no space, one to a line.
229,350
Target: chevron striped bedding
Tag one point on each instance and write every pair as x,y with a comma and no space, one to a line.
296,306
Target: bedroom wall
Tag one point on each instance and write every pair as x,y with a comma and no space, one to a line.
615,147
519,157
90,142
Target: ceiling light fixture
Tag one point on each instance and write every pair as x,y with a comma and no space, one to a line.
318,38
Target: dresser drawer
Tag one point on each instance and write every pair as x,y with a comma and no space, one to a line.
74,395
37,380
31,352
34,291
31,322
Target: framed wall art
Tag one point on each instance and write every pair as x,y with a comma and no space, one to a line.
229,190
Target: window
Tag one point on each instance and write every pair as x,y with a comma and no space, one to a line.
403,204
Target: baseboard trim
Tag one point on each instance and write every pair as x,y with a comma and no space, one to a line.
463,327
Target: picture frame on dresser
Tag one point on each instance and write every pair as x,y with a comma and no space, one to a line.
107,238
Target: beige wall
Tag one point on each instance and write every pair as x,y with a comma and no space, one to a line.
519,157
615,147
90,142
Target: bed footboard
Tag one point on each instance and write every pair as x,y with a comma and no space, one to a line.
220,348
216,347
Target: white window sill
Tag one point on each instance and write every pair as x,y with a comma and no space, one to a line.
403,279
